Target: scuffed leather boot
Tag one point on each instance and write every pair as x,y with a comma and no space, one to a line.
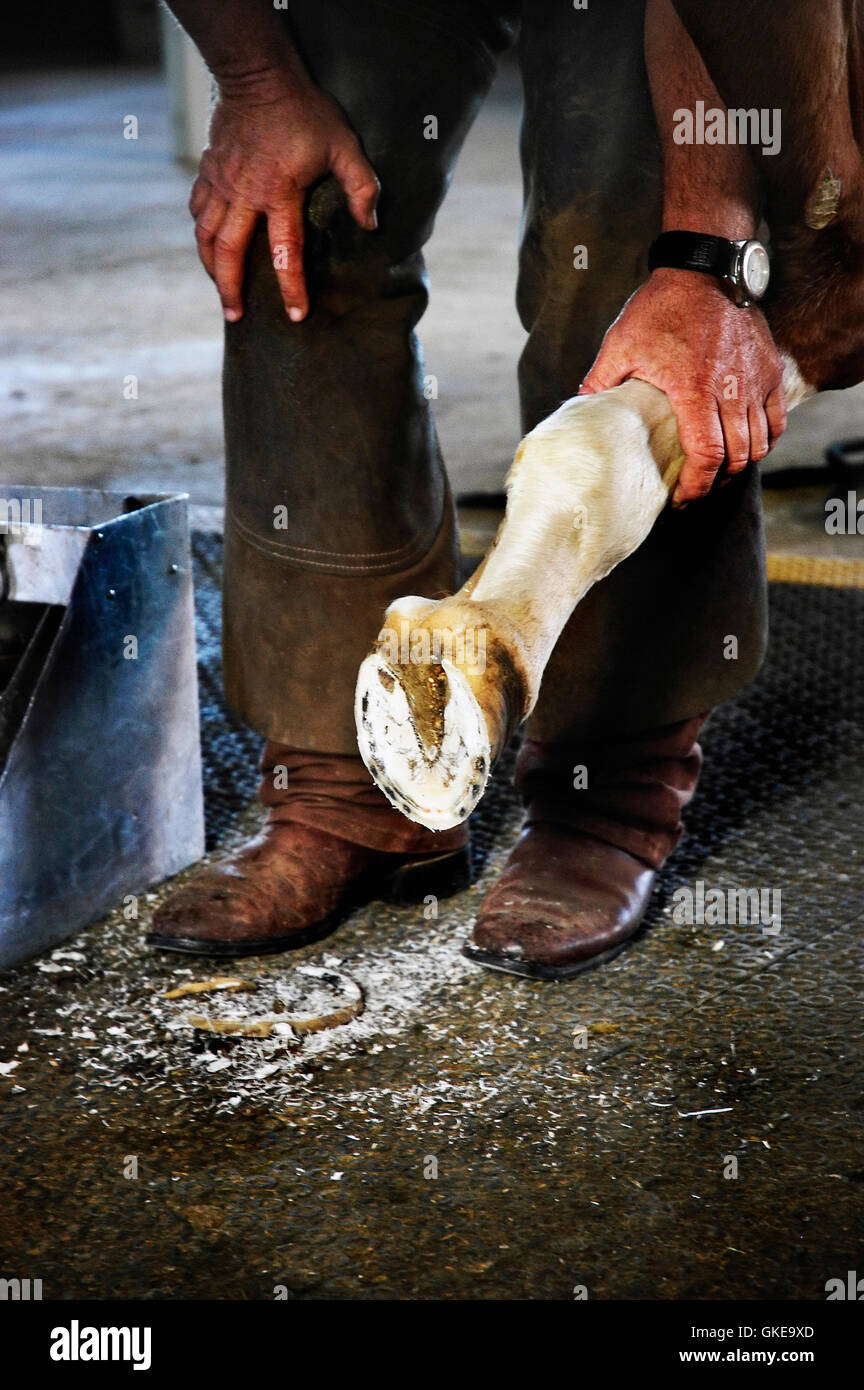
578,880
331,841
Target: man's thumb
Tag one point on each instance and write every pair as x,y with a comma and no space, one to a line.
361,187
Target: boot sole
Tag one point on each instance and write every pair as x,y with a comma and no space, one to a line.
536,971
439,877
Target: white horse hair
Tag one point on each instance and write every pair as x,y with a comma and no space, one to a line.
584,491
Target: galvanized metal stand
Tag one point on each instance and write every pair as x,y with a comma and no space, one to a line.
100,764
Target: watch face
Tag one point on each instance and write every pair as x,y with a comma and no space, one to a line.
755,269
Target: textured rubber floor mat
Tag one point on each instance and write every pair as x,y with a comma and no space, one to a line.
781,759
229,750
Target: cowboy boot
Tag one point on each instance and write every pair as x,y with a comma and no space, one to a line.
331,841
597,828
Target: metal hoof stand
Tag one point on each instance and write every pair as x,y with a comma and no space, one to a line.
100,763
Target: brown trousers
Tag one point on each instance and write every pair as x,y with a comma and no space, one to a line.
337,501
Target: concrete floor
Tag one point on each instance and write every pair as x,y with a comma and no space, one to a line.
100,281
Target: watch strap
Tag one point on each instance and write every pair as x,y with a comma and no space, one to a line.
713,255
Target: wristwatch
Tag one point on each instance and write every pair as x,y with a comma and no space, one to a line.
743,266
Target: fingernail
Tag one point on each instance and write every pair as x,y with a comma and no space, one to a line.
372,220
232,315
295,314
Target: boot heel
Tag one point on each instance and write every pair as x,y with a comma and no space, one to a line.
438,877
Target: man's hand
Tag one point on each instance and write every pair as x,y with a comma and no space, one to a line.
267,146
716,362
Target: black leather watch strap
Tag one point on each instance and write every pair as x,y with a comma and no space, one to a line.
692,251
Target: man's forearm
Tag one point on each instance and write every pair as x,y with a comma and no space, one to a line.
706,188
244,44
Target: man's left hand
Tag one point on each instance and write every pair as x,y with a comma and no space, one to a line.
715,361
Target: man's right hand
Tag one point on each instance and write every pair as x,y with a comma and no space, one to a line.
267,146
